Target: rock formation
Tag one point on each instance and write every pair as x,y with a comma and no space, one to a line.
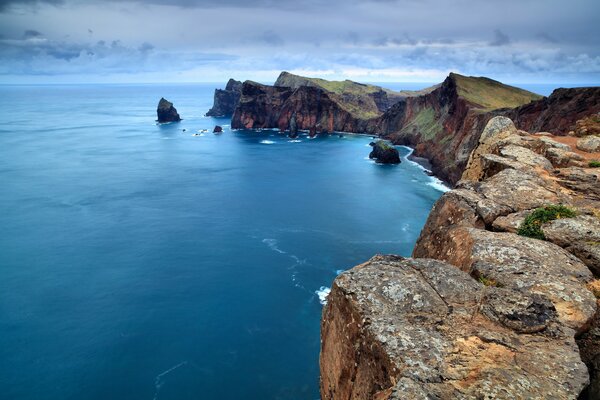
383,153
166,112
496,314
397,328
442,122
218,129
226,100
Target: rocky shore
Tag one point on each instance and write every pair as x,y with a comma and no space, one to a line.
481,310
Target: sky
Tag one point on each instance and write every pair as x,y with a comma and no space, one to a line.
112,41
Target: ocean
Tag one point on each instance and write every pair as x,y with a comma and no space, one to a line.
145,261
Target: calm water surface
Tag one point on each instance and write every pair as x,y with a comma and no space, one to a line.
140,262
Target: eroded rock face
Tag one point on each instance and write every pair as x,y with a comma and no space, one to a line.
166,112
398,328
226,100
558,112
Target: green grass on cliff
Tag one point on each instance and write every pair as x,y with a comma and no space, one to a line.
532,225
425,123
488,94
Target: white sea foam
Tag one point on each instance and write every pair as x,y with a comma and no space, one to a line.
434,182
438,184
294,141
272,243
159,382
339,271
267,142
323,292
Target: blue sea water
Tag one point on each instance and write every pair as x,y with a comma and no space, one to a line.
138,261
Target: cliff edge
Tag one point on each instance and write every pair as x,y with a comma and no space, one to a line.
484,309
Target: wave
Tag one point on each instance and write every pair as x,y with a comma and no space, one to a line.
294,141
434,181
267,142
323,292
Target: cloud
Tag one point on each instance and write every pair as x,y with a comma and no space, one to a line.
500,38
209,39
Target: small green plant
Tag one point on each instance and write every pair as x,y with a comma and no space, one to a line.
488,281
532,225
594,164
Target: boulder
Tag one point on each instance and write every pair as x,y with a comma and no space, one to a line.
384,153
561,158
526,156
591,144
579,235
166,112
218,129
399,328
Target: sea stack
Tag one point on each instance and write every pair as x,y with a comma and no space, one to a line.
226,100
218,129
166,112
384,153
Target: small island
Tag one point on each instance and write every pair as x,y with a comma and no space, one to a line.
384,153
166,112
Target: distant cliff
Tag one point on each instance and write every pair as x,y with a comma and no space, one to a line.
482,311
441,122
318,105
225,101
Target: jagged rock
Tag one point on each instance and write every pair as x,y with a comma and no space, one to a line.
549,143
496,129
166,112
225,101
398,328
218,129
561,158
521,263
558,112
526,156
588,126
579,235
383,153
293,126
580,180
591,144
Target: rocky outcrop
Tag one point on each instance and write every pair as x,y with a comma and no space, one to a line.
557,113
590,143
383,153
218,129
226,100
166,112
399,328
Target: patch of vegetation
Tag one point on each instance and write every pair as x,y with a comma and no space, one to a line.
489,94
488,281
426,123
594,164
532,225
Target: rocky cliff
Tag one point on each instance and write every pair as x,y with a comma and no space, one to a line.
316,104
482,310
441,122
444,125
226,100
